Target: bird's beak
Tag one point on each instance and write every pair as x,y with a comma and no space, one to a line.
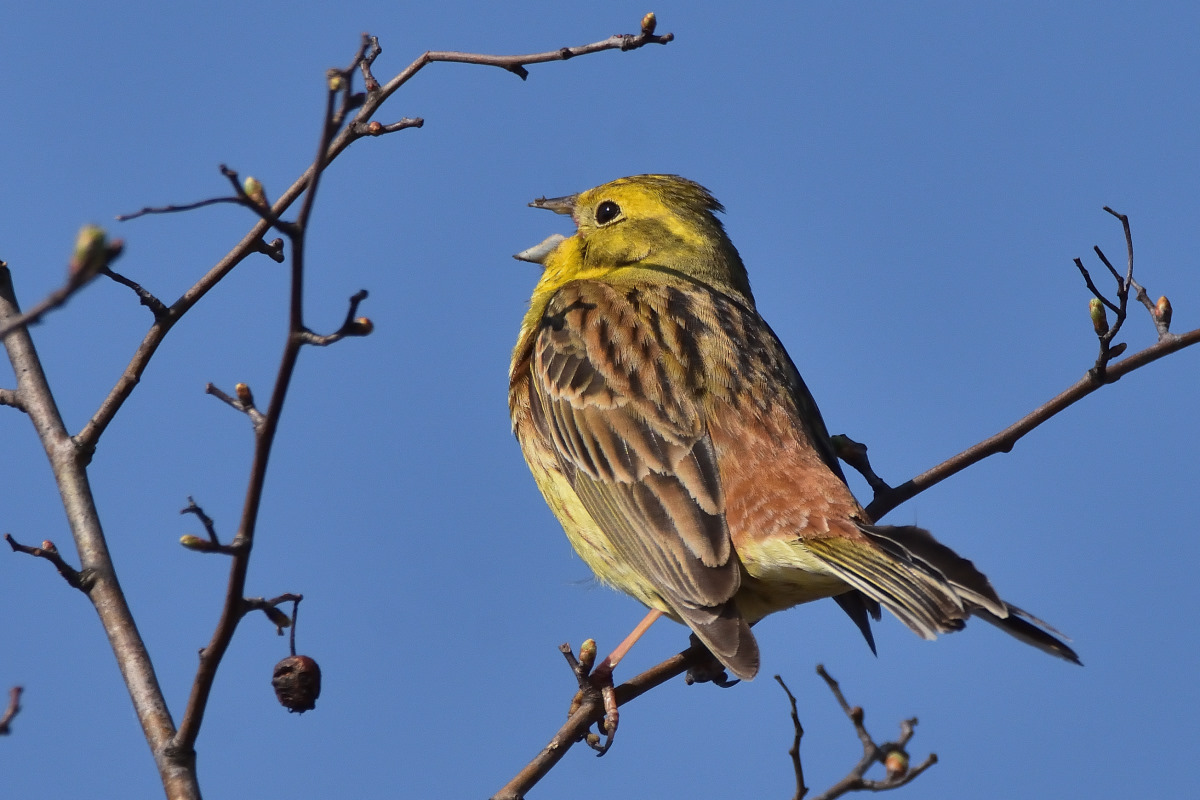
559,205
538,253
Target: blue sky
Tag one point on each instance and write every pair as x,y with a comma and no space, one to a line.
908,186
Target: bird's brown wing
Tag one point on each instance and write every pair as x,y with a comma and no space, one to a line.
611,394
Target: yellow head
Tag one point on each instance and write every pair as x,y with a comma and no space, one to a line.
658,223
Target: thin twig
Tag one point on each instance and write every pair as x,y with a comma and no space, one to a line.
92,255
49,552
1101,374
156,306
352,326
794,750
856,780
14,708
252,242
234,606
1004,441
590,712
98,577
270,608
177,208
244,402
209,526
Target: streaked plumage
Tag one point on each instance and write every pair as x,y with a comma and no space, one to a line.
674,439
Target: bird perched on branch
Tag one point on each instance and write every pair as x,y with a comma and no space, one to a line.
675,441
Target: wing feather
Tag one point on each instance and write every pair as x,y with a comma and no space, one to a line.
632,440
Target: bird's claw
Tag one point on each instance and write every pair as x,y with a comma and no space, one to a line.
595,689
708,670
601,680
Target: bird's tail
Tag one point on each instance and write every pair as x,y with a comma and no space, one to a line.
928,586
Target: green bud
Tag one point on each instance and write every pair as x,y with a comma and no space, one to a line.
254,190
90,254
1099,318
587,654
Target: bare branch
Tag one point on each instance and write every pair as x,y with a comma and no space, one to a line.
49,552
794,750
252,242
591,711
1101,374
244,402
175,209
173,748
517,64
156,306
176,766
12,399
277,617
854,454
890,754
352,326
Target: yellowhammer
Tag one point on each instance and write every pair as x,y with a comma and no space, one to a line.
674,439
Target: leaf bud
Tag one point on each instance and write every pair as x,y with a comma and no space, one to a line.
1099,318
896,763
587,654
1162,310
90,254
254,190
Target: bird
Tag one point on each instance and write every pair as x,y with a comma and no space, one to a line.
677,444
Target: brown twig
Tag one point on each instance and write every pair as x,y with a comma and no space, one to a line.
280,619
49,552
14,708
1101,374
210,545
1004,441
176,768
855,780
352,326
794,750
156,306
234,607
244,402
359,127
591,711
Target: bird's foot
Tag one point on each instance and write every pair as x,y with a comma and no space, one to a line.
708,669
596,689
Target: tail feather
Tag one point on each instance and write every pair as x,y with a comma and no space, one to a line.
1022,626
928,586
725,632
858,606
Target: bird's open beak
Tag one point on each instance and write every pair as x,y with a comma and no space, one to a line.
559,205
539,252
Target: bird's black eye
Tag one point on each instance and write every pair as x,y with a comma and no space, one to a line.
606,212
